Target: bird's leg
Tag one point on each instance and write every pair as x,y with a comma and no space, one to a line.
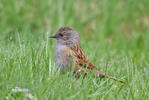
80,71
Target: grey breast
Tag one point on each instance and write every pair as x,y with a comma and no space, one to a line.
63,64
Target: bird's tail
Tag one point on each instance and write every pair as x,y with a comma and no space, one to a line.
101,74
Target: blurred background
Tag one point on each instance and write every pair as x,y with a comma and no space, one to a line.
113,33
124,21
118,25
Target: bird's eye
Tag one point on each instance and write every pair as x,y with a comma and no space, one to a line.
61,35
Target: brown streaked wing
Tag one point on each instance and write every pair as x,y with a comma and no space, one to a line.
80,58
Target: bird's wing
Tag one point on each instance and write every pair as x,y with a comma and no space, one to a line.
80,59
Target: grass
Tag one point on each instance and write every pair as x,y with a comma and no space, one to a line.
114,35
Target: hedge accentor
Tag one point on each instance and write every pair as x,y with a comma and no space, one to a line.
68,49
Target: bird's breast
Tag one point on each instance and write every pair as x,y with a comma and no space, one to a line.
63,57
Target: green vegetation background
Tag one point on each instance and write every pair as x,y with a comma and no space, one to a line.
114,35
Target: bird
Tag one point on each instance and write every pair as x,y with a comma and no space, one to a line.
68,52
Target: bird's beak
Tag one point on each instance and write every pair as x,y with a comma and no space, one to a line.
54,36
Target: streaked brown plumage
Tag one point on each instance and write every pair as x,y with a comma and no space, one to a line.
68,48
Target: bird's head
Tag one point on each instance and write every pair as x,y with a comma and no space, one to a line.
66,36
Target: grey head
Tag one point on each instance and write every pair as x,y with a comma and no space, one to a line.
66,36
